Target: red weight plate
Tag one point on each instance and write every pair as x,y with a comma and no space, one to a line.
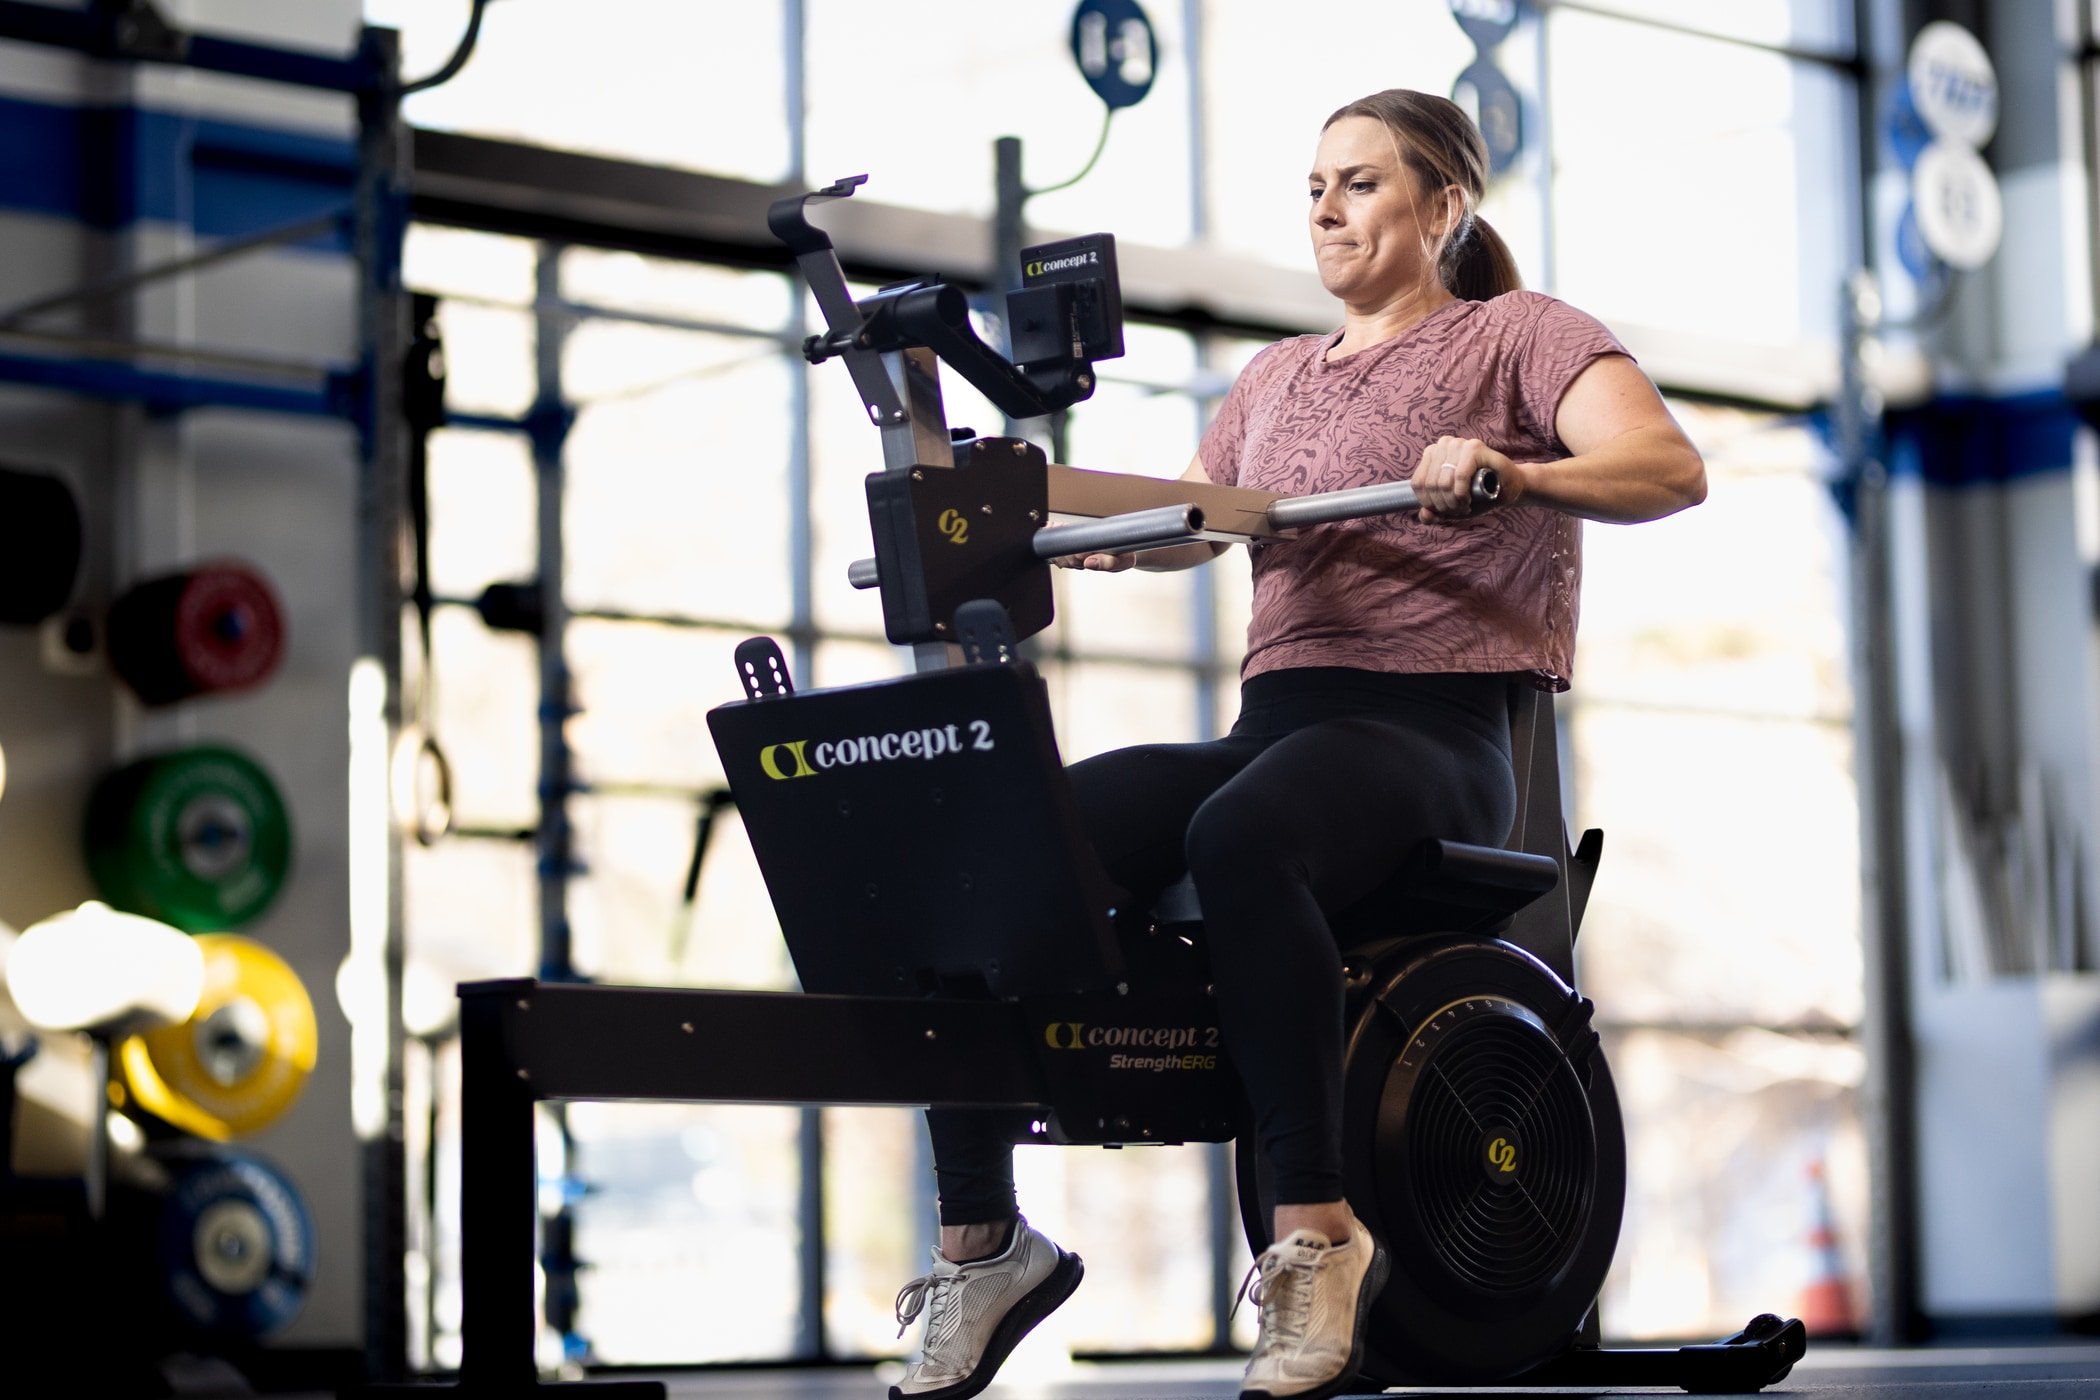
229,629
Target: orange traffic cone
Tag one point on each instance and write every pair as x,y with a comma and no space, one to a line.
1825,1305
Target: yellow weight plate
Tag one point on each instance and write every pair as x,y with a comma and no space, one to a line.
241,1059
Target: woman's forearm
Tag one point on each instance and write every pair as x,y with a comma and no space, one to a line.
1643,474
1180,556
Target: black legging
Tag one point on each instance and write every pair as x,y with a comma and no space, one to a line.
1329,778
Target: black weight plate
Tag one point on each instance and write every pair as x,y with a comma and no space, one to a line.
40,541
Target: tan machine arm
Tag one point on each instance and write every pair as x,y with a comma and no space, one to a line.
1227,514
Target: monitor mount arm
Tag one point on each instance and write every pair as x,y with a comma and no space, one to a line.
1063,322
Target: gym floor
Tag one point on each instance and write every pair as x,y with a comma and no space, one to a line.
2068,1370
2055,1372
2059,1371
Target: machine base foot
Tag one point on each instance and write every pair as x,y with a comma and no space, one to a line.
1760,1355
488,1390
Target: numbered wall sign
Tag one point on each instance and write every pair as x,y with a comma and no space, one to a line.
1491,100
1486,22
1113,44
1960,215
1953,84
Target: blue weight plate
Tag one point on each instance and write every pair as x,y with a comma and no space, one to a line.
235,1247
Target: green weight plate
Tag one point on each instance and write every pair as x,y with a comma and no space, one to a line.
198,838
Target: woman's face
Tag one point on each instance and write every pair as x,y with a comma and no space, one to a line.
1374,233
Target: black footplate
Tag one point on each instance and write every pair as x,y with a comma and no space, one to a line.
1760,1355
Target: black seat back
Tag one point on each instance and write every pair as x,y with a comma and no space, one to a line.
919,834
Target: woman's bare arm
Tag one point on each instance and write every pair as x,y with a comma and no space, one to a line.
1630,461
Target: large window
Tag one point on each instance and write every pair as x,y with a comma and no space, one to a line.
671,84
1711,719
1726,218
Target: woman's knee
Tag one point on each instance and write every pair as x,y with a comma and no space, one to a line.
1228,840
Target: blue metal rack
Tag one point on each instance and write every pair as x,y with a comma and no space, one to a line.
292,189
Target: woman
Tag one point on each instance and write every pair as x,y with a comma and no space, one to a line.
1373,707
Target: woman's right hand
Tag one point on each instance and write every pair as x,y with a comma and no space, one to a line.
1176,557
1099,563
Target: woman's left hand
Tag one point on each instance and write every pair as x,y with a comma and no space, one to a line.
1443,481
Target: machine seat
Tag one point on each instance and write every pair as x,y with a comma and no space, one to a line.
1443,887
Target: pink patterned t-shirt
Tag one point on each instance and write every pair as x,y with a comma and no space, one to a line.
1497,592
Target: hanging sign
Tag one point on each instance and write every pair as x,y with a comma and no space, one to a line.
1918,260
1953,85
1486,22
1960,215
1113,45
1905,129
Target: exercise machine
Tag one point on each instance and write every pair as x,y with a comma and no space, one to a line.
959,944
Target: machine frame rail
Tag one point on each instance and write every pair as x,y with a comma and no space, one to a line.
524,1042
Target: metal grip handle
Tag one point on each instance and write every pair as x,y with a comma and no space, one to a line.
1386,498
1119,534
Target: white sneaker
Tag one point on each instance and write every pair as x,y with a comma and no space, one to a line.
1314,1297
978,1312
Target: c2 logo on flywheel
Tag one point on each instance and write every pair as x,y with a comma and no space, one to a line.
1498,1158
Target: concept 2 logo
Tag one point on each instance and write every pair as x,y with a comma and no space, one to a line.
954,525
1037,269
799,758
773,756
1173,1047
1502,1156
1078,1035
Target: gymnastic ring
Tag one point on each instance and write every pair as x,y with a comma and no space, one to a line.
424,821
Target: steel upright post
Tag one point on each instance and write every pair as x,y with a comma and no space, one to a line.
498,1209
1889,1108
1009,232
381,225
810,1340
